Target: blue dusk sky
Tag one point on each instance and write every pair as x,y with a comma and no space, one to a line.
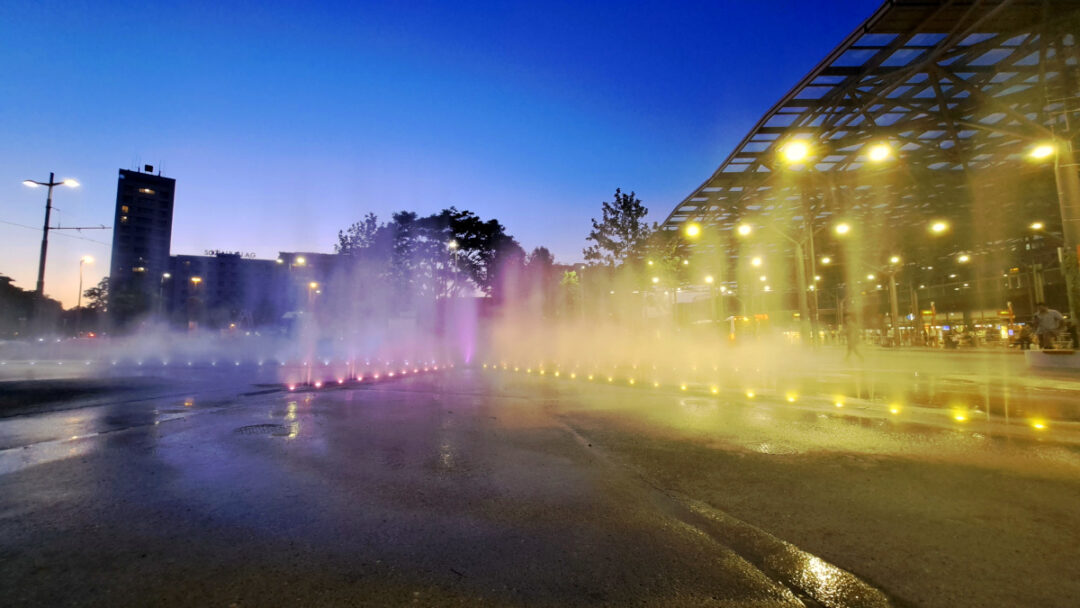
283,122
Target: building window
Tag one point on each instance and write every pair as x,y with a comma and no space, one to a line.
146,190
124,209
123,219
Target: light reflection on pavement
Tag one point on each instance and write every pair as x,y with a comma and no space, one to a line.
466,489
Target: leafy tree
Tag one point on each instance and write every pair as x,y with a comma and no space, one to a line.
541,258
432,256
666,249
360,236
620,236
97,298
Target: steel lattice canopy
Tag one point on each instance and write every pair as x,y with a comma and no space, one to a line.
959,91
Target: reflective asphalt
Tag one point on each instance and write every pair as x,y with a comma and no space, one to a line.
476,487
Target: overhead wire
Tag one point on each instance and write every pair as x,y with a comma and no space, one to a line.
70,236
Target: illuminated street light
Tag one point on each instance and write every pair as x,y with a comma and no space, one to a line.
1042,151
686,262
894,259
744,229
300,261
196,280
78,306
655,280
939,227
817,277
963,258
709,279
83,260
826,260
880,152
1037,226
870,276
764,278
693,230
795,151
843,228
756,261
313,285
452,245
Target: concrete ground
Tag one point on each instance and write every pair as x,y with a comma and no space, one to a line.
491,488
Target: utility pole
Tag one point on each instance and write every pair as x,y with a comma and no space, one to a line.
40,289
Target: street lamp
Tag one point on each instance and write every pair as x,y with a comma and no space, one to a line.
963,258
165,276
1037,226
453,247
756,261
842,228
193,303
1042,151
879,152
78,307
82,261
70,183
795,151
939,227
693,230
744,229
825,261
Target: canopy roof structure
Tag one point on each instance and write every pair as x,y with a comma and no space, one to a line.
928,111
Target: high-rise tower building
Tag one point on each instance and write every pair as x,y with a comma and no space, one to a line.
141,236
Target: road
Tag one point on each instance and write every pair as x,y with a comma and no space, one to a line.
489,488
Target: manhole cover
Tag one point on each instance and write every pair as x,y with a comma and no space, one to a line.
263,429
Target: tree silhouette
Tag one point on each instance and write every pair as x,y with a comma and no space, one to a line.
620,236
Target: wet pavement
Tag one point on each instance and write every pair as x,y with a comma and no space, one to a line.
476,487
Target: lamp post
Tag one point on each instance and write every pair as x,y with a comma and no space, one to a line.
161,292
894,307
453,247
807,325
45,231
78,307
193,301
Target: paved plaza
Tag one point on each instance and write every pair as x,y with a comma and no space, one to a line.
482,487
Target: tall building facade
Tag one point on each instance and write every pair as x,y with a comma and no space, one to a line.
141,238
